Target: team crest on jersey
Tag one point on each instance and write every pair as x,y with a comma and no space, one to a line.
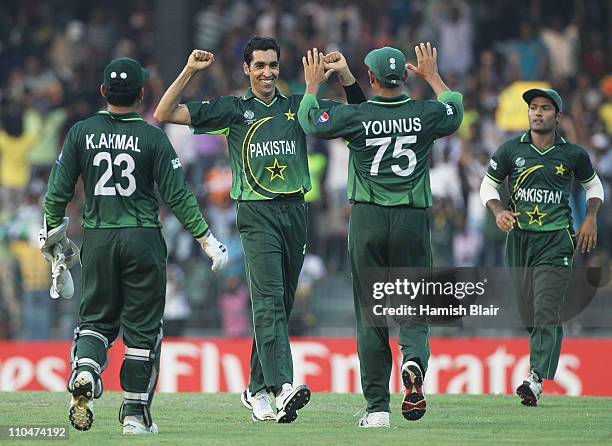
249,117
323,118
519,162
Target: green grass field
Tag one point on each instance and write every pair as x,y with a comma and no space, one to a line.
329,419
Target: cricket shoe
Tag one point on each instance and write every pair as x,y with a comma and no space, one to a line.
260,404
244,399
290,400
375,419
531,390
133,425
81,406
413,404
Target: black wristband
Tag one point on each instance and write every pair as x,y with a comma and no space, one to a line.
354,93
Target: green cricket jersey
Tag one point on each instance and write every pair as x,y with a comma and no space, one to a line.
389,141
540,180
120,157
267,147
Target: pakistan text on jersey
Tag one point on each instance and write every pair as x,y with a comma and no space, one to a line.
392,126
112,141
539,195
272,148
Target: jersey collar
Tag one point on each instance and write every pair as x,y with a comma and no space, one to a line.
526,138
250,95
381,100
131,116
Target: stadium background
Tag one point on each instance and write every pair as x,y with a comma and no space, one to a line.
52,55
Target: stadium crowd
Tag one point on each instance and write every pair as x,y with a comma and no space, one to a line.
53,54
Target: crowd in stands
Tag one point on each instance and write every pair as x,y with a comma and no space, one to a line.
53,55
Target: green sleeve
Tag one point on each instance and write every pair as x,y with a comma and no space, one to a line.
214,116
499,166
173,188
62,180
449,113
583,171
326,123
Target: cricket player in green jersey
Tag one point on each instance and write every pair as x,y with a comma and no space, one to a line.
268,158
540,165
120,159
389,138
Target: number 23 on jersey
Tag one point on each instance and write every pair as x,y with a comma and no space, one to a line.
127,165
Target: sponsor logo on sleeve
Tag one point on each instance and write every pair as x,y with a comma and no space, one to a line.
323,118
449,110
176,163
493,164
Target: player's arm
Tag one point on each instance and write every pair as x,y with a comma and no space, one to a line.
321,122
489,191
336,61
175,192
53,241
584,172
62,180
450,109
169,109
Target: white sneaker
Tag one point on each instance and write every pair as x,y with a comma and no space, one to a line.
531,390
375,419
261,405
290,400
81,405
134,425
244,399
413,404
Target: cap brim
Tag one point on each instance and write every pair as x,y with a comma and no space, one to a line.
536,92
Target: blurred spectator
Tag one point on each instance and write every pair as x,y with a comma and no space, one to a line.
562,43
456,32
68,50
15,146
34,269
528,54
10,293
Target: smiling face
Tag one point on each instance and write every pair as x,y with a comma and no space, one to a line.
543,116
263,72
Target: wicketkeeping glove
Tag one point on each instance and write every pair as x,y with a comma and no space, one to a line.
55,246
214,249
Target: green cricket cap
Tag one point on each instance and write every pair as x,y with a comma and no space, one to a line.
124,75
546,93
387,64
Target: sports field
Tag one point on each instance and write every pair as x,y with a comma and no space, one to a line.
330,420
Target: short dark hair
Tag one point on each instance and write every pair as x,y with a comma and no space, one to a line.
122,100
262,44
